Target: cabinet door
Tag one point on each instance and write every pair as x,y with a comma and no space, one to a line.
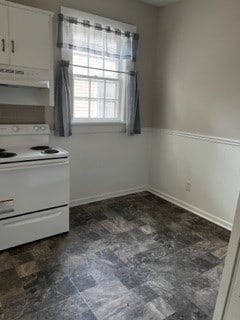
29,39
4,53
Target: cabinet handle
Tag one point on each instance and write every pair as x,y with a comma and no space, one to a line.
13,46
3,45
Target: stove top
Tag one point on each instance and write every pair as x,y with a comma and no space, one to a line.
30,142
21,154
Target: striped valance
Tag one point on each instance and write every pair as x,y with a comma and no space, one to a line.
85,36
98,26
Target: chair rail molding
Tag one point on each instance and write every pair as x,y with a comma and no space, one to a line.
197,136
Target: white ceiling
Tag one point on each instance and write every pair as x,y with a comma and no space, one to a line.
159,2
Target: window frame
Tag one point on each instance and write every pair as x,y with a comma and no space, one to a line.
67,55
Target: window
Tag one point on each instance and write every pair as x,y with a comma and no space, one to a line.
96,91
98,81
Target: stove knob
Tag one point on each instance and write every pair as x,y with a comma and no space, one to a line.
15,128
36,128
43,128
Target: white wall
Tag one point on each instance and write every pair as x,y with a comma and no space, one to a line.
105,164
212,165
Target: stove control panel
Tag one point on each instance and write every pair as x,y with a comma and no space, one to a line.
24,129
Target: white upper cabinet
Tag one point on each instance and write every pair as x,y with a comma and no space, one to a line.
26,55
29,39
4,54
25,37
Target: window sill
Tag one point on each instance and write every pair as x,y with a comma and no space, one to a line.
104,123
98,127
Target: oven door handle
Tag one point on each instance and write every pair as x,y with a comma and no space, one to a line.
21,166
30,219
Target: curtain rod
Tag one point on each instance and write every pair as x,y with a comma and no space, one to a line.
98,26
99,69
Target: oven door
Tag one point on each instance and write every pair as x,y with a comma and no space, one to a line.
33,186
31,227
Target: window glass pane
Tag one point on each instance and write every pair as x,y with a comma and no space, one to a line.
96,39
110,109
95,62
113,44
80,71
80,35
111,75
80,60
81,108
97,89
111,64
97,109
111,90
81,88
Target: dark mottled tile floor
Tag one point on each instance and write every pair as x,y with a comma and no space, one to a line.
134,257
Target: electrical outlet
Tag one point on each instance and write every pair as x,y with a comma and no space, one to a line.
188,186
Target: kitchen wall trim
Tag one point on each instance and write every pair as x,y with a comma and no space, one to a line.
197,136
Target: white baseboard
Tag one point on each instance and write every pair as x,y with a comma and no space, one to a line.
202,213
105,196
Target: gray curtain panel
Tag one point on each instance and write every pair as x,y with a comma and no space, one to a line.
134,122
63,101
134,125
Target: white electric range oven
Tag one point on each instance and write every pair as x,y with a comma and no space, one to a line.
34,185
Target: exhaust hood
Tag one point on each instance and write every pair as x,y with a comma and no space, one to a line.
26,86
19,83
24,78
